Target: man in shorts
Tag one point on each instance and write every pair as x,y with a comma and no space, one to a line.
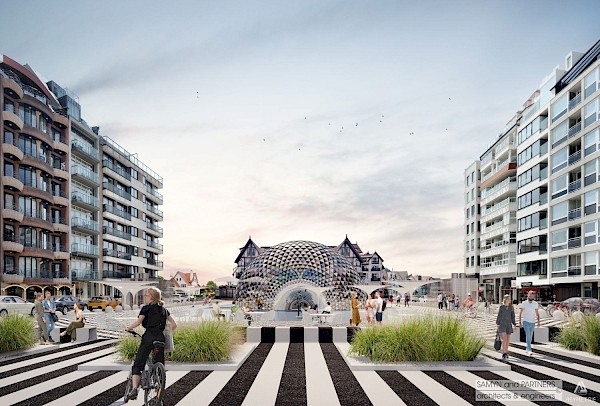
378,308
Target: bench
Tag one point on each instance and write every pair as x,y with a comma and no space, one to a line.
84,334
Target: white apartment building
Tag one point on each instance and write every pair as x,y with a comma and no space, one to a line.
497,240
472,225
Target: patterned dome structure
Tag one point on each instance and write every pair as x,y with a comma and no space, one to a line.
301,264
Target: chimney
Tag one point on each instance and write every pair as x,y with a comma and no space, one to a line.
96,130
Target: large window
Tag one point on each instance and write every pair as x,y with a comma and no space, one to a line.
559,186
559,266
534,244
590,263
559,134
589,173
538,195
27,176
532,268
590,202
28,267
537,172
591,141
27,236
559,212
28,146
590,112
590,233
590,83
533,220
539,124
28,206
559,239
538,148
559,107
27,114
559,159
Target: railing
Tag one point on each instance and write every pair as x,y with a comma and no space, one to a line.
154,245
499,167
116,211
498,206
59,193
85,223
154,227
43,245
116,275
78,170
88,249
84,274
506,182
37,215
574,270
153,192
86,149
33,92
87,199
116,190
574,157
132,158
575,213
116,232
493,227
574,129
575,101
116,254
500,262
120,171
154,210
154,262
59,248
574,242
59,220
496,245
573,186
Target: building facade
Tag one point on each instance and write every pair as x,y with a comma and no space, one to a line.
555,183
472,179
78,209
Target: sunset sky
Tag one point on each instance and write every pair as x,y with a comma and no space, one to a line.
309,120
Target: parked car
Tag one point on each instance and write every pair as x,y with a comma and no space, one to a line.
101,302
15,305
65,303
182,297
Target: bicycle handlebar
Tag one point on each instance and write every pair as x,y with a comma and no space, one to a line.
133,333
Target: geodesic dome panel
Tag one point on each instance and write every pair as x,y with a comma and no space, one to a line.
297,263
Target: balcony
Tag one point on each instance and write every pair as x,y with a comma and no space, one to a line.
116,275
61,252
495,210
84,200
60,143
574,242
11,182
119,192
574,157
12,87
116,169
575,213
60,197
37,248
84,274
154,262
10,244
12,214
107,208
10,150
116,233
507,186
116,254
84,224
12,120
154,210
85,250
575,101
155,228
154,245
84,175
60,225
574,129
573,186
85,150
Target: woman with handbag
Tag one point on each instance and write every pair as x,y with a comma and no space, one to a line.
49,314
505,322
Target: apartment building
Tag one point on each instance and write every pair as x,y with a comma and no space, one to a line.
472,227
79,210
34,183
555,183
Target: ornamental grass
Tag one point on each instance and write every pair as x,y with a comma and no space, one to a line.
17,332
421,339
581,336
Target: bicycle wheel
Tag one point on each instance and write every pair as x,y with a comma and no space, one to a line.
156,387
127,389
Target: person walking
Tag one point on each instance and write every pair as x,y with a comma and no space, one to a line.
49,314
154,318
452,300
75,324
440,300
39,316
407,299
378,309
505,322
528,314
355,321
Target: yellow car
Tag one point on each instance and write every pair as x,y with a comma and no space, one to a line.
100,302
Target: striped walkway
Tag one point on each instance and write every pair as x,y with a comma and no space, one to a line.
285,374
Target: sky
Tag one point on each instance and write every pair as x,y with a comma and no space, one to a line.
311,120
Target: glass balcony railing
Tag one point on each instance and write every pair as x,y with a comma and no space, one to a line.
85,223
116,190
154,245
154,227
116,232
86,149
84,274
154,192
116,254
107,208
498,206
85,249
154,210
78,170
84,198
116,169
488,192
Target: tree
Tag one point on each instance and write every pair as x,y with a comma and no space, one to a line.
212,287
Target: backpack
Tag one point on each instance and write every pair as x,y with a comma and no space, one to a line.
383,306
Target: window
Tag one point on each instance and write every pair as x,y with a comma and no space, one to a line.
559,267
538,195
28,267
590,83
532,221
27,206
559,212
134,231
134,212
559,107
589,173
590,143
590,234
590,202
534,244
590,112
590,263
559,186
27,176
559,159
10,265
559,134
134,193
538,148
28,146
532,268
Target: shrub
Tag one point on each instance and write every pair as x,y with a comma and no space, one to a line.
590,329
206,341
17,332
426,338
127,347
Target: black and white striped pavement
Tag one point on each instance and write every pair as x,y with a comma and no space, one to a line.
283,373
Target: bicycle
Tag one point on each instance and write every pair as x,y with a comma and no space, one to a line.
470,311
153,377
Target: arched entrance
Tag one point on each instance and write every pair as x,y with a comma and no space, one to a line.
64,290
298,298
15,290
31,292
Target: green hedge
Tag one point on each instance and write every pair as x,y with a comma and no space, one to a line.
420,339
203,342
583,336
17,332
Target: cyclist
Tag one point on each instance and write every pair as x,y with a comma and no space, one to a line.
468,303
154,318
